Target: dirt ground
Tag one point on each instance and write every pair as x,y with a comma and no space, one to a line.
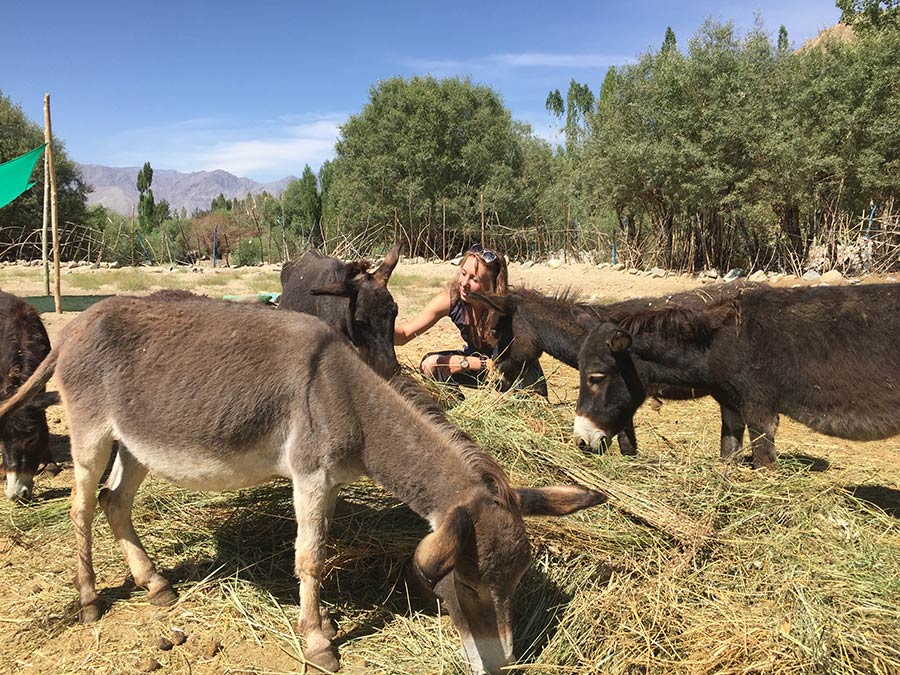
412,285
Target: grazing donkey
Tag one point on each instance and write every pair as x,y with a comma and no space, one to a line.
825,356
350,299
25,437
528,323
220,396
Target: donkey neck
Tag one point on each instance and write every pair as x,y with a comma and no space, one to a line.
554,332
666,361
418,458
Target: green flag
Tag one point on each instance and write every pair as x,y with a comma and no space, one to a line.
15,173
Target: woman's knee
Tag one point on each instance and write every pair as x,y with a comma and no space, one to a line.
429,366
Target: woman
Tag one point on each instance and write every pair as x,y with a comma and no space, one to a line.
483,270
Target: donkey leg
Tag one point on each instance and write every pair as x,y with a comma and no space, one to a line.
313,506
117,500
628,440
762,439
90,454
732,437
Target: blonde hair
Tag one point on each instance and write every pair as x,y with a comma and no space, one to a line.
497,283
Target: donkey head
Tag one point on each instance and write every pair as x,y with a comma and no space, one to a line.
610,389
476,558
24,439
372,311
514,337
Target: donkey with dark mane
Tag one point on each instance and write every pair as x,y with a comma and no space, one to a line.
825,356
529,324
350,299
282,398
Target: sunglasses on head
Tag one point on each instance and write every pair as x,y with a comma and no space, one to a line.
486,254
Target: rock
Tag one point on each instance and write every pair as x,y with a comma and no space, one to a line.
456,261
149,664
618,267
205,649
165,644
733,275
633,270
114,265
527,265
604,265
757,277
832,277
179,637
554,263
710,273
658,273
811,275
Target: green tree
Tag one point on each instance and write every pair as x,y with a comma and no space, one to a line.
303,208
423,150
146,203
870,13
21,219
783,44
669,42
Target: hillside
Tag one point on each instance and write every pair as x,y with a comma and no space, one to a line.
115,187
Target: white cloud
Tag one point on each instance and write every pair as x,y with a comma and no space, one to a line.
264,152
545,60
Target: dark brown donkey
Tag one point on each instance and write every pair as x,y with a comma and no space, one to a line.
25,436
350,299
826,357
529,323
220,396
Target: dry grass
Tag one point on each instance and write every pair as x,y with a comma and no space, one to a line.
694,567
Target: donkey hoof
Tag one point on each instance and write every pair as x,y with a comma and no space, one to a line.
324,659
164,597
89,613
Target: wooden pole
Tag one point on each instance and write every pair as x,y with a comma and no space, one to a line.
48,137
45,230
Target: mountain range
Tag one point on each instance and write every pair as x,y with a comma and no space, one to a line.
116,187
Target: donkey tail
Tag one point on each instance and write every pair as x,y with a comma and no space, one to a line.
31,387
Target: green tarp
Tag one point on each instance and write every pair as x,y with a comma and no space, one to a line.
15,174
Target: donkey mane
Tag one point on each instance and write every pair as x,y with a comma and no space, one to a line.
687,316
473,457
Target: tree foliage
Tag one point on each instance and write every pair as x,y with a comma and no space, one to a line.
22,220
741,153
422,160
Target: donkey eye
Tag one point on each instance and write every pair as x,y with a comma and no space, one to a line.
596,378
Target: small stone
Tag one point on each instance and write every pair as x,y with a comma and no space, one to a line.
165,644
179,637
149,664
205,649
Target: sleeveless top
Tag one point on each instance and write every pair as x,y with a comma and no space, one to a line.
458,315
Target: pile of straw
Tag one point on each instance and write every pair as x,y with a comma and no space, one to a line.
692,567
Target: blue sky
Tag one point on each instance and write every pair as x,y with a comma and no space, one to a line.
260,89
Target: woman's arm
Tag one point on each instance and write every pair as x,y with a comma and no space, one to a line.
436,309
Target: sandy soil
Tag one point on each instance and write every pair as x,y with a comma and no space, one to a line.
70,649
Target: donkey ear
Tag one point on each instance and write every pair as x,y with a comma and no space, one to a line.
558,500
437,553
619,342
502,304
385,269
45,399
585,318
343,289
